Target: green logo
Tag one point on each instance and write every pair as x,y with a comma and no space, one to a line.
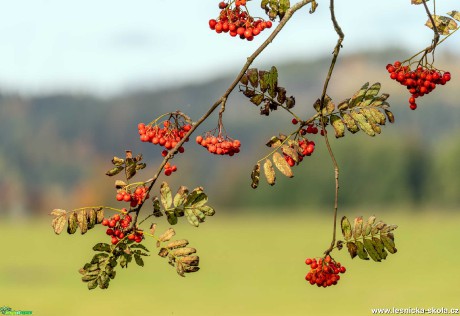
5,310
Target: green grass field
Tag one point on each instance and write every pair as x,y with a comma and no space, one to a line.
249,267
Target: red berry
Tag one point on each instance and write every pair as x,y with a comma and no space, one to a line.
294,121
116,217
105,222
212,24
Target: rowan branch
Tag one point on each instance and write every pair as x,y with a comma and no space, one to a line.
289,13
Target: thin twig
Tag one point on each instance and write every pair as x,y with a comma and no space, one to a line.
433,45
250,60
341,35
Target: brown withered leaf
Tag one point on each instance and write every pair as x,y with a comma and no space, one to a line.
82,220
163,252
177,244
92,218
167,235
99,215
390,116
180,268
352,249
180,252
190,260
273,142
255,176
455,15
269,172
119,184
282,165
153,228
346,228
367,227
59,221
72,223
358,227
290,152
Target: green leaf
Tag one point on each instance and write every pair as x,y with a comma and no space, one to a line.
370,94
263,80
338,125
378,116
388,243
59,221
272,81
207,210
346,228
157,208
257,99
350,123
362,254
362,122
172,218
352,249
92,284
455,15
328,106
379,247
196,198
139,260
130,168
140,246
358,227
368,226
253,77
102,247
192,218
181,196
284,6
443,24
371,250
390,116
255,176
114,171
358,96
165,195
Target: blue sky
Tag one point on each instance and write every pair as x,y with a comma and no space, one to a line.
108,47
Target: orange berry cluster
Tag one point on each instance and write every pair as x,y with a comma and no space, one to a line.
219,145
167,136
324,272
118,227
237,21
419,82
134,198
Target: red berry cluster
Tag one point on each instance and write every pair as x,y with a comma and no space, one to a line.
118,228
134,198
167,136
419,82
308,147
236,20
219,145
324,272
169,169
